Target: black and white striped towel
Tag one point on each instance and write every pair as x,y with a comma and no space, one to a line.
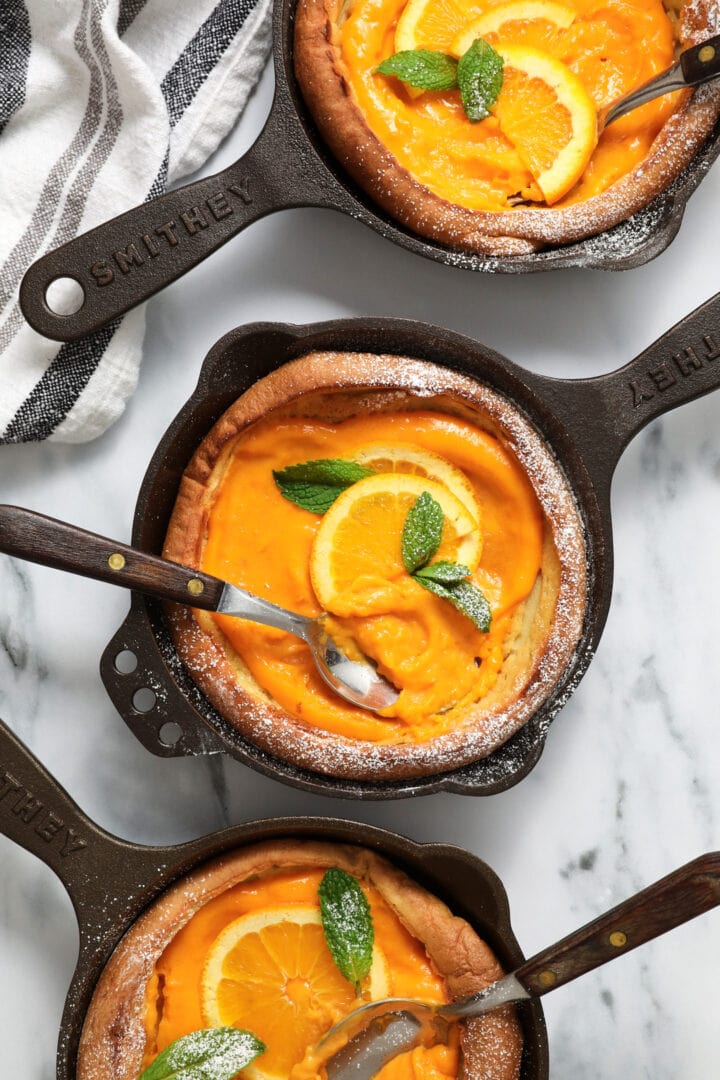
102,103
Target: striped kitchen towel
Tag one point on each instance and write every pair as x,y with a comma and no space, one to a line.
102,104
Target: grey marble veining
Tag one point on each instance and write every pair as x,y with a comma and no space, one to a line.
627,788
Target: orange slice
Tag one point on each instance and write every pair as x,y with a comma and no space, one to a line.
432,24
416,461
271,972
534,23
358,544
545,111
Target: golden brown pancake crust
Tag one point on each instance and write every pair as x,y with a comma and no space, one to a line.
547,627
113,1037
320,72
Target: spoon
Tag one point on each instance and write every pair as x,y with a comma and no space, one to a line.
695,66
36,538
371,1036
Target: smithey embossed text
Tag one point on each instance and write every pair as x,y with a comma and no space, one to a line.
669,372
16,798
166,235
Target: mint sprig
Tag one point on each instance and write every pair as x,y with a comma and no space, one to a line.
480,78
347,924
422,68
463,595
478,74
315,485
443,573
212,1054
421,538
422,532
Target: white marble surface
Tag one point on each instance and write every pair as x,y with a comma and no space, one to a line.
627,788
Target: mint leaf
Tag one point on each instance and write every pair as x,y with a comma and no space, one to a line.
445,573
348,924
463,595
480,78
213,1054
422,532
422,68
315,485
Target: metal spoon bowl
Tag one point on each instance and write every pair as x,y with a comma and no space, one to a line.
372,1035
36,538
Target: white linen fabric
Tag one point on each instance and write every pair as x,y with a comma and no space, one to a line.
103,103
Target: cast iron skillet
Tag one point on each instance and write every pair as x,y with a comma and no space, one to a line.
111,881
126,260
586,423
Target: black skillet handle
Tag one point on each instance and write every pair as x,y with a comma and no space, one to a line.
126,260
670,902
28,535
97,869
701,62
603,414
680,366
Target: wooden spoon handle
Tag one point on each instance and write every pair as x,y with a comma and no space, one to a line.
687,892
40,539
700,63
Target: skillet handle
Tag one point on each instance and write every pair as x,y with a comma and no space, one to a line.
675,899
28,535
97,869
603,414
126,260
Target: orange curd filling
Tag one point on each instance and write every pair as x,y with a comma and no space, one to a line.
289,992
433,653
612,46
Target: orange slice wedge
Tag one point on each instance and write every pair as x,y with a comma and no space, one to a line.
271,972
547,113
534,23
432,24
416,461
358,544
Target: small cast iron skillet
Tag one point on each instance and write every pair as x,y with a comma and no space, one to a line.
586,424
288,166
111,881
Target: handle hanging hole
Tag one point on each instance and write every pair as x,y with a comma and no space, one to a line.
64,296
144,700
170,734
126,662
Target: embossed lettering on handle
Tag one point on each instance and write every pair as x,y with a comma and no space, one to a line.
38,815
163,234
101,872
604,413
126,260
680,366
31,811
